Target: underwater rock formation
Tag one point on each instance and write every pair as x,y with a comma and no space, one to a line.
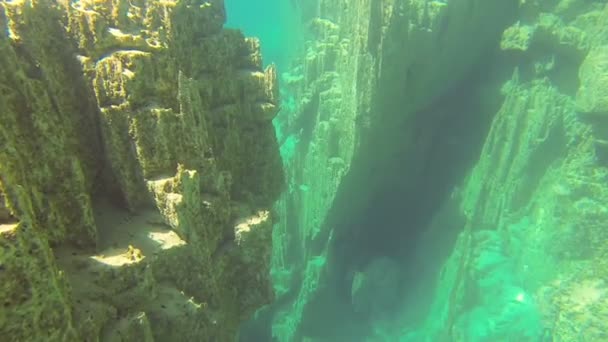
529,264
592,96
138,163
464,140
370,68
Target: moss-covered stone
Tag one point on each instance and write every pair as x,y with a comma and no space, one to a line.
592,95
34,292
131,144
40,118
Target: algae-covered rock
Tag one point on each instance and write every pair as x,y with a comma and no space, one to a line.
34,292
528,213
592,95
517,37
529,262
5,213
131,144
357,87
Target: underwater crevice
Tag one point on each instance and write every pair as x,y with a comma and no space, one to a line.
443,142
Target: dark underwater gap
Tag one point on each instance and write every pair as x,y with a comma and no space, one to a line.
259,327
449,135
599,126
561,69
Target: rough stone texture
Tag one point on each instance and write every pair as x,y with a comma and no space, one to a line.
317,128
369,68
135,136
359,114
534,241
34,293
592,95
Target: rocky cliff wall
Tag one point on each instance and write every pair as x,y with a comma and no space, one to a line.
455,139
350,127
529,263
138,163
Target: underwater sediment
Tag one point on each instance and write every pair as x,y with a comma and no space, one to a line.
138,166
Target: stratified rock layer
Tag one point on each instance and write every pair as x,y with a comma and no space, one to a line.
530,262
513,245
136,138
371,66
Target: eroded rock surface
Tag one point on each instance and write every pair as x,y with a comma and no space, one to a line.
349,116
136,136
379,110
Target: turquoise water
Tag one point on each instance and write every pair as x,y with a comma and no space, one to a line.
274,22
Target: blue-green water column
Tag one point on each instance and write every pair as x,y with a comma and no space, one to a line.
275,22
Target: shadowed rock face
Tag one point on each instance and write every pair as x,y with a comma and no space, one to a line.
137,166
366,128
5,214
